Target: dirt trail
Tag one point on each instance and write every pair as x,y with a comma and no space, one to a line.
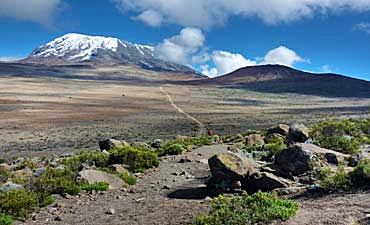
202,128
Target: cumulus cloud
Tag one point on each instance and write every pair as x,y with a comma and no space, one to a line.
365,27
226,62
282,56
181,48
206,13
39,11
151,17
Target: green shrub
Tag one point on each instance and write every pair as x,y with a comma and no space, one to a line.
248,209
136,159
343,136
19,203
171,149
182,144
44,199
338,180
98,186
361,174
98,158
5,219
267,151
55,181
127,178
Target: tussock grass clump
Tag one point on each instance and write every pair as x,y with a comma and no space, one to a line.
248,209
343,136
127,178
5,219
98,186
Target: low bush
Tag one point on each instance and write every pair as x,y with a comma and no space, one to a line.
361,174
338,180
343,136
136,159
267,151
127,178
18,203
171,149
56,181
5,219
98,186
98,158
248,209
182,144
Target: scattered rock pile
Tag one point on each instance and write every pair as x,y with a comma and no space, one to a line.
295,168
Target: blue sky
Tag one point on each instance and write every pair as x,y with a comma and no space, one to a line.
326,36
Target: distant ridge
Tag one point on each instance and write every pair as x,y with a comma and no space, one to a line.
283,79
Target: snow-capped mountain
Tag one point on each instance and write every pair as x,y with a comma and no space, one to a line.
79,48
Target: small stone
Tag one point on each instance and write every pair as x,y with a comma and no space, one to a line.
184,160
207,199
58,218
140,199
111,211
166,187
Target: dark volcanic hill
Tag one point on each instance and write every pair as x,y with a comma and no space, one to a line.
282,79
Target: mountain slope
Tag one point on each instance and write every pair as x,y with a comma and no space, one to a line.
282,79
77,48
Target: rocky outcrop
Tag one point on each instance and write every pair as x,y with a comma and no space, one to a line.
94,176
255,139
298,133
265,181
229,170
294,161
281,129
109,144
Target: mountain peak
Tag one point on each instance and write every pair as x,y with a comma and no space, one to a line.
80,48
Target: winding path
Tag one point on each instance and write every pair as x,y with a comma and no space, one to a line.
202,127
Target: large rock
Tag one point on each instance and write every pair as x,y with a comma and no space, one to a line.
255,139
325,155
298,133
264,181
94,176
10,186
5,168
230,166
294,160
109,144
281,129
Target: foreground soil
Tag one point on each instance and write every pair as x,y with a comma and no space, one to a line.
175,193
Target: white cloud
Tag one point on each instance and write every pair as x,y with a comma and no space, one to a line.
9,58
181,48
151,17
206,13
326,69
226,62
39,11
365,27
282,56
